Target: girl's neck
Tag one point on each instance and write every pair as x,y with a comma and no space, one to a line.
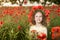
38,24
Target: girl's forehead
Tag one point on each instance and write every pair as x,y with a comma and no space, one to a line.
38,13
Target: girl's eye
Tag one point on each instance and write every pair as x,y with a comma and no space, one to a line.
40,16
36,16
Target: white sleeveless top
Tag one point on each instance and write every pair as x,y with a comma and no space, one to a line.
41,29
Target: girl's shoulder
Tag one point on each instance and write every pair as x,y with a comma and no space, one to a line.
44,27
32,27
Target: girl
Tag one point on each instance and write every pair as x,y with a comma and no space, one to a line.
39,27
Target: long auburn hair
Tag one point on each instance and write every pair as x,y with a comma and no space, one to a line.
43,17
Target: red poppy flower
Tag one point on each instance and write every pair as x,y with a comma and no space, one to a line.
10,12
30,16
47,12
41,7
53,36
41,36
54,6
16,8
1,23
55,32
58,10
17,13
19,27
56,35
35,7
58,14
56,29
5,11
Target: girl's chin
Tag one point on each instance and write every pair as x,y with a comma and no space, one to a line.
38,22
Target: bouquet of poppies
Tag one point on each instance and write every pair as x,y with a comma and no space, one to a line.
37,36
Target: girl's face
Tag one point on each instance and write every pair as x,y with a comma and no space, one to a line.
38,17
